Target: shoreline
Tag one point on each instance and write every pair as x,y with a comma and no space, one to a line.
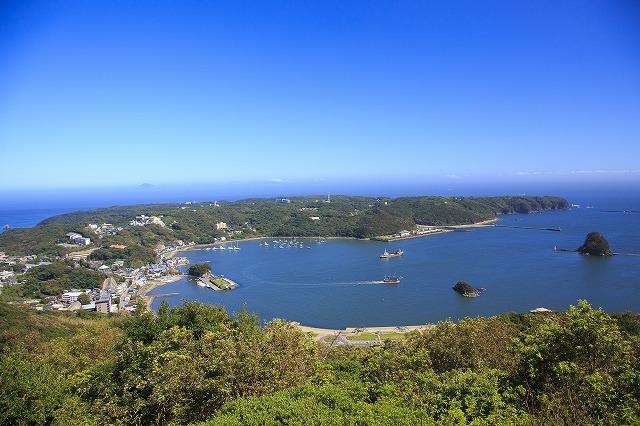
151,285
441,229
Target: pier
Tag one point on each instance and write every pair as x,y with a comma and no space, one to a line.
615,253
461,228
535,228
620,211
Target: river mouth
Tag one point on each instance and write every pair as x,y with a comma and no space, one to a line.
337,283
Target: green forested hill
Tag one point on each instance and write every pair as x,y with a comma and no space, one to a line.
359,217
196,364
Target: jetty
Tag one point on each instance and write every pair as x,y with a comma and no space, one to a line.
615,253
620,211
535,228
492,224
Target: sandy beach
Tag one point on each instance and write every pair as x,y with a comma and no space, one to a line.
148,300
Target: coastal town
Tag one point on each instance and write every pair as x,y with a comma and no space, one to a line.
123,287
121,290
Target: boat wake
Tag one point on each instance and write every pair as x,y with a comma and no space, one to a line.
321,284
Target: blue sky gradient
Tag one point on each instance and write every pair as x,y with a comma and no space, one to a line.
107,93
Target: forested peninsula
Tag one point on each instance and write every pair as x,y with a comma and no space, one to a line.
209,222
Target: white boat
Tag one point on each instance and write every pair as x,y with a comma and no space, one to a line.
223,248
214,248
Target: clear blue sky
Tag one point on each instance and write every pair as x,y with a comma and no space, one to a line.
99,93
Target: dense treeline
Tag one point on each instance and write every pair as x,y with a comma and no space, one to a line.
199,269
51,280
134,255
359,217
195,363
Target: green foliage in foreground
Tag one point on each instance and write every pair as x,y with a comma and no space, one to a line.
196,364
199,269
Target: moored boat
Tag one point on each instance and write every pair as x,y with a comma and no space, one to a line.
387,255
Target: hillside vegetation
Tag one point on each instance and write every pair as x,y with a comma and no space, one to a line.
358,217
197,364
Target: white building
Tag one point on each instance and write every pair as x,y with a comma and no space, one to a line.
71,296
221,225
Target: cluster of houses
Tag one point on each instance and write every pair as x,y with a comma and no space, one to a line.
98,300
119,292
9,272
421,231
106,229
144,220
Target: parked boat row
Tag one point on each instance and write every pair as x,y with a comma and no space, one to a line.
232,247
282,244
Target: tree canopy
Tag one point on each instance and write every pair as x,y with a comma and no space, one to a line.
199,269
595,245
198,364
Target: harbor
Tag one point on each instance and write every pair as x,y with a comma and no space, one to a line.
339,282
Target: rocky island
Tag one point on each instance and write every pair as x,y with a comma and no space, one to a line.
595,245
466,290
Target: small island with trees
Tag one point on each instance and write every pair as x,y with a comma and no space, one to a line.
595,245
466,290
199,270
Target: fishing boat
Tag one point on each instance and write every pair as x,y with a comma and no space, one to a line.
391,280
387,255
